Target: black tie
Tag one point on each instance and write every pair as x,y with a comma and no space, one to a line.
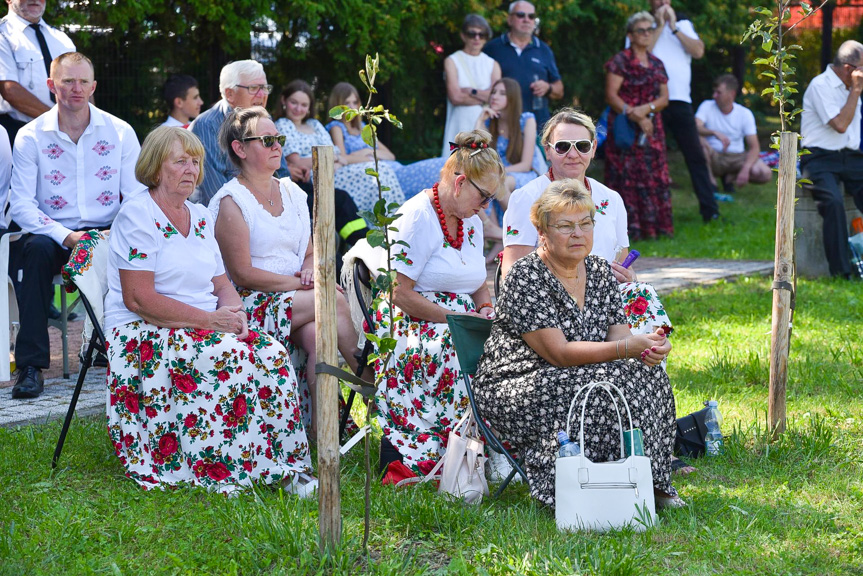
46,55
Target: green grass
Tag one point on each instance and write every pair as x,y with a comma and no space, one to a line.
790,507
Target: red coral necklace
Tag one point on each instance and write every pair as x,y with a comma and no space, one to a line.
455,243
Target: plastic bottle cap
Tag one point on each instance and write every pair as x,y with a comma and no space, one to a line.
712,403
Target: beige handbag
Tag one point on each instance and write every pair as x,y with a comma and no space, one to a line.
463,474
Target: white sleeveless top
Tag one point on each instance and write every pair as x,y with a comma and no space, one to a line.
277,243
473,72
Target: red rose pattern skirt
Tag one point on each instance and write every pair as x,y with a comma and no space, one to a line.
422,395
203,408
271,312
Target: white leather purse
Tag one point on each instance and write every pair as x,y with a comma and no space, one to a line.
602,496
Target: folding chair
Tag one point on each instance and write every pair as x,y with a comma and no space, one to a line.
469,334
87,273
362,278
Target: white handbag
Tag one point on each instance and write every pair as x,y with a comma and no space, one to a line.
463,474
602,496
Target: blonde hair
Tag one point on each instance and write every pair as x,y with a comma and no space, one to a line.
567,116
567,195
240,123
156,149
474,158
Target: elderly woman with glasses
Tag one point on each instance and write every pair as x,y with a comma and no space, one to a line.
263,228
469,75
636,86
569,139
196,397
440,270
560,325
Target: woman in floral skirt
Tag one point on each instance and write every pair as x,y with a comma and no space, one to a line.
195,397
440,271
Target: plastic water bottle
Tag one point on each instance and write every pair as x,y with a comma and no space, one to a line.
567,446
713,438
538,101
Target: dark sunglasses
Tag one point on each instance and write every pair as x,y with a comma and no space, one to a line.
268,141
475,35
529,16
563,147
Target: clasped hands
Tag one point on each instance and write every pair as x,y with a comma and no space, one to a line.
653,348
230,319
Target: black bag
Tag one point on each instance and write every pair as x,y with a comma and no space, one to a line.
691,431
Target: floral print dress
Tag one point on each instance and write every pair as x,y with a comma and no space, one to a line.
527,399
640,173
422,395
190,406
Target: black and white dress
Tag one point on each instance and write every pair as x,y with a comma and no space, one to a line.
527,399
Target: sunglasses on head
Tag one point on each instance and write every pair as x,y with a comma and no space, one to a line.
523,15
268,141
475,35
581,146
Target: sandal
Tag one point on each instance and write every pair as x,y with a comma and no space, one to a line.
302,484
680,467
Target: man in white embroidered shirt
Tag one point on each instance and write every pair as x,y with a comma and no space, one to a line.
830,125
71,167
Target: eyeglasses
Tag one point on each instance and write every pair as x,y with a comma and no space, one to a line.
568,229
486,197
642,31
475,35
524,15
268,141
255,88
562,147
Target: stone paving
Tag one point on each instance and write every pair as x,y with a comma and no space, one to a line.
666,275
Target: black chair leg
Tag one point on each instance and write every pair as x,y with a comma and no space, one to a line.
82,373
505,483
343,423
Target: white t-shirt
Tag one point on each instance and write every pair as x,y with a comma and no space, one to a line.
822,101
609,235
736,125
173,122
678,63
142,238
276,243
430,261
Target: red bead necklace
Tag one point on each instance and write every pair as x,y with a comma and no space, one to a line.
455,243
551,177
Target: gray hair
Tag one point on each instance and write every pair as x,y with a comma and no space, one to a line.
512,5
233,71
643,16
850,52
476,21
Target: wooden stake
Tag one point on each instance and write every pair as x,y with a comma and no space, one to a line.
783,280
329,503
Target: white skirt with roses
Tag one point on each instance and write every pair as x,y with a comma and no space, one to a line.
198,407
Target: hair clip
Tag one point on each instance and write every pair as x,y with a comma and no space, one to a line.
476,146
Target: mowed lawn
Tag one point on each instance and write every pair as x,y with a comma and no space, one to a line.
794,506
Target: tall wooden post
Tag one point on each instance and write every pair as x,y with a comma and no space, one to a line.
329,503
783,279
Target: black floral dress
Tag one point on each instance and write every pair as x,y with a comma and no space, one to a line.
527,399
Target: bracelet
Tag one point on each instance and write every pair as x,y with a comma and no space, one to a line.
485,305
618,350
626,347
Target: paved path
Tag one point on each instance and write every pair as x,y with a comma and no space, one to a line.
666,275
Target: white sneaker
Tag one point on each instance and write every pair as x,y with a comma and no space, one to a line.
498,468
301,484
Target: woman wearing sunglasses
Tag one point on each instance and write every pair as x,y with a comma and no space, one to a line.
440,270
294,119
264,231
469,74
569,138
636,85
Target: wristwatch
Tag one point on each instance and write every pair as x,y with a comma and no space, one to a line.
652,107
675,31
473,92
